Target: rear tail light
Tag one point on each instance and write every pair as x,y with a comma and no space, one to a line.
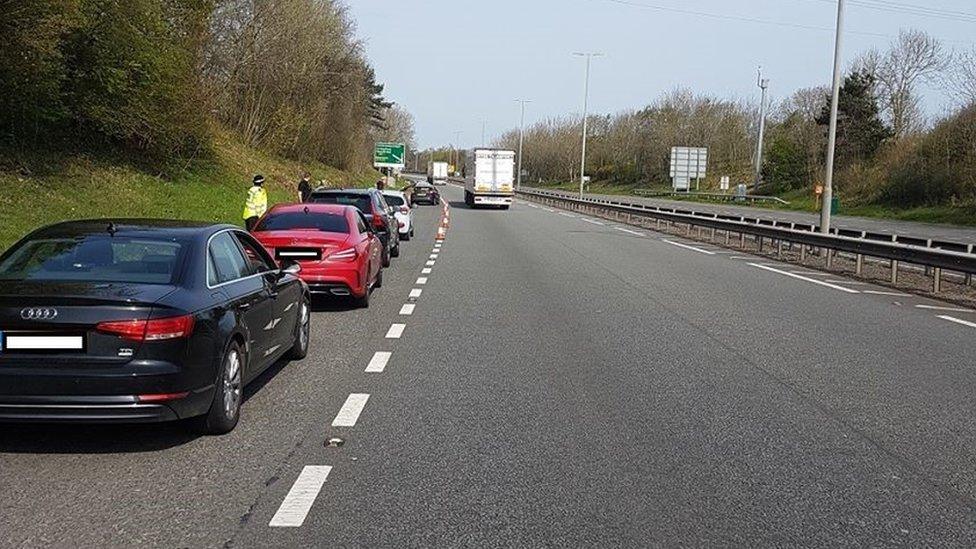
157,329
349,254
379,222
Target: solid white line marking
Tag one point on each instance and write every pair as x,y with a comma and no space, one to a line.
422,280
395,331
564,214
958,321
378,362
425,270
746,257
878,292
407,309
949,309
687,247
812,273
300,498
349,413
549,209
807,279
590,221
415,292
430,263
628,231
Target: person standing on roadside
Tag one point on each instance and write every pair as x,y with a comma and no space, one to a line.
380,184
256,203
305,187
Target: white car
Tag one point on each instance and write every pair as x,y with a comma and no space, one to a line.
403,212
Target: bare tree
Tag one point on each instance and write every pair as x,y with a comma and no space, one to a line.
912,58
961,77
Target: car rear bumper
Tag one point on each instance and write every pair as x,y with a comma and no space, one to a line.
102,409
340,283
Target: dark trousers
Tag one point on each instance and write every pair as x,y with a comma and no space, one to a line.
250,222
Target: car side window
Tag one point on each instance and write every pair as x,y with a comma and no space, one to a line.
361,223
258,259
226,261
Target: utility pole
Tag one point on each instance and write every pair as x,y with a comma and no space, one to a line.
586,93
828,190
518,177
763,85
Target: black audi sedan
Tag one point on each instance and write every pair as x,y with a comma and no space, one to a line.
142,321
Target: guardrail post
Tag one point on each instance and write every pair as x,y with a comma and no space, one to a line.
969,276
742,240
894,271
936,280
859,260
728,236
762,240
779,248
803,253
928,244
830,257
711,237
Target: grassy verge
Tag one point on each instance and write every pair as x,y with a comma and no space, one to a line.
805,202
46,188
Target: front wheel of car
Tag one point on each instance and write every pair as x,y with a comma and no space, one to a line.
303,330
386,257
225,409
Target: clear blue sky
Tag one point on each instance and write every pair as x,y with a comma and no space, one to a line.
435,56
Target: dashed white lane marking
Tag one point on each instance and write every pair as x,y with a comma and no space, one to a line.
628,231
947,309
805,278
349,413
300,498
879,292
430,263
407,309
425,270
378,362
445,221
395,331
958,321
422,280
433,256
415,292
591,221
687,247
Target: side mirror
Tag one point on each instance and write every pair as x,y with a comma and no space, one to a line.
291,269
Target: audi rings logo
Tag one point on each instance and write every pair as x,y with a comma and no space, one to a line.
38,313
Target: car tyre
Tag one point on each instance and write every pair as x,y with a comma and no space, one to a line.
303,331
362,302
379,280
406,236
395,252
225,410
386,257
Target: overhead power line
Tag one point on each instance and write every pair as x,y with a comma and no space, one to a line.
911,9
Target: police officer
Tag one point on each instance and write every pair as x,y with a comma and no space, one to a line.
305,187
256,203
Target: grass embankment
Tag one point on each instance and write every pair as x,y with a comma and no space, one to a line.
801,200
39,188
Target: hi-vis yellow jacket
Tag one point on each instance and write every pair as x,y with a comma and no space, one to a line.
256,203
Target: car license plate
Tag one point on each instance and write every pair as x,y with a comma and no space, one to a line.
13,342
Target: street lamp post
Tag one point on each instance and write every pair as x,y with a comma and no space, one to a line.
828,190
586,93
518,177
763,85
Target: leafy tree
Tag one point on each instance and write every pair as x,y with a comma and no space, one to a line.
860,130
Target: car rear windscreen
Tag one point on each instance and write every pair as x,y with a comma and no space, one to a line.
360,201
288,221
394,200
95,259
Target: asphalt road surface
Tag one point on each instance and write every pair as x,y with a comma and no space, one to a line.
559,381
952,233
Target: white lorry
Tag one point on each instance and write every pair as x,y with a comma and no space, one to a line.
437,173
489,178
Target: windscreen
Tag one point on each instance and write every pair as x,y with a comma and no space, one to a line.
394,200
312,221
95,259
360,201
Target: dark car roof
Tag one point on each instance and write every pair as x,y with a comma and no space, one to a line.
160,227
345,191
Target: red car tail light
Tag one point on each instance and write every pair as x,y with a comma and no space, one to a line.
157,329
349,254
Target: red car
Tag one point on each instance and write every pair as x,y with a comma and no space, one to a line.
339,254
